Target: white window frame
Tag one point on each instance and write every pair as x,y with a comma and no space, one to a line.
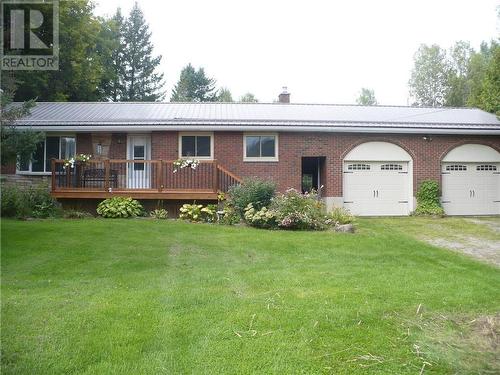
197,134
260,158
30,173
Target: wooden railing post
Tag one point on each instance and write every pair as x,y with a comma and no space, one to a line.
53,169
68,176
106,174
159,175
215,176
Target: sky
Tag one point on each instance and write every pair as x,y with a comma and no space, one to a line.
322,51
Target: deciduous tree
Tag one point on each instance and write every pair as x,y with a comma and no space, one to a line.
366,97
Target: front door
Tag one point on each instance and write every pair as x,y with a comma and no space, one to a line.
139,174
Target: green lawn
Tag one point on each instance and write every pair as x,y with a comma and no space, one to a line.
149,297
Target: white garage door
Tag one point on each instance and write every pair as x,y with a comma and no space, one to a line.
374,188
471,188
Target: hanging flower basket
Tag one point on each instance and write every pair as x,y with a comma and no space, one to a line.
71,162
185,163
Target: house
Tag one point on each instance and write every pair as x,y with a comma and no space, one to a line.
370,159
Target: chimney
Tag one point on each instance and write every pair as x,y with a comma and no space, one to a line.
284,97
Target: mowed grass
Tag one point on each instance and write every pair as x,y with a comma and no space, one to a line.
153,297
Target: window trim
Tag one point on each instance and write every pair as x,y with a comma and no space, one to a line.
274,158
196,134
30,173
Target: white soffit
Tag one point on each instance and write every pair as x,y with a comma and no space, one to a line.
377,151
473,153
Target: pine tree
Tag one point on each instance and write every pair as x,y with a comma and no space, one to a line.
194,86
140,81
117,25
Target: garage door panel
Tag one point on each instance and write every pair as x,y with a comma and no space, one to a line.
379,189
471,188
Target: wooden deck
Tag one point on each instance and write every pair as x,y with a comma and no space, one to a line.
140,179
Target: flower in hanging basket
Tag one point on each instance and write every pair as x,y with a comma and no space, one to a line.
71,162
185,163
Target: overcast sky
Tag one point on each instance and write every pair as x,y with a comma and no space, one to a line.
323,51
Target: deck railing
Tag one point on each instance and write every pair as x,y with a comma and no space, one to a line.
140,175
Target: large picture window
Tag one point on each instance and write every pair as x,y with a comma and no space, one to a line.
198,146
260,147
53,147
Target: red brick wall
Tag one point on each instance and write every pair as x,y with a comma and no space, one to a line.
84,144
164,145
293,146
118,146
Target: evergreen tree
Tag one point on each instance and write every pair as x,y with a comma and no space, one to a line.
140,81
194,86
112,45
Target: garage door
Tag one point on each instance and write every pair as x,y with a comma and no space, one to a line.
471,180
377,188
471,188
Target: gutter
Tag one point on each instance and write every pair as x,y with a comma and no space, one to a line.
274,128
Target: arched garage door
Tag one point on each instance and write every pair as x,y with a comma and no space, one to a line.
378,180
471,181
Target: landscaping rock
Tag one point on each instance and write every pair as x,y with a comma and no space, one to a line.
345,228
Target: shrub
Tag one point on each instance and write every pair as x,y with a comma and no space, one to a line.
159,213
76,214
33,201
263,218
299,211
209,213
196,212
341,215
191,212
230,216
428,199
119,207
11,197
256,191
291,210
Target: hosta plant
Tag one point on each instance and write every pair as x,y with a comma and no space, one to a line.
191,212
119,207
159,213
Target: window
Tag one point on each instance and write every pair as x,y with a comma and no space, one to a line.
391,167
51,148
260,147
196,145
486,167
358,167
456,167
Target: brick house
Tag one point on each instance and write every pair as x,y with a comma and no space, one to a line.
368,159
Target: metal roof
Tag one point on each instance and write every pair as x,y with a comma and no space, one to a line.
102,116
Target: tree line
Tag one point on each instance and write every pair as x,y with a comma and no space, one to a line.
457,77
109,59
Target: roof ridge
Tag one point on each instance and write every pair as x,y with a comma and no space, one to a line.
270,103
